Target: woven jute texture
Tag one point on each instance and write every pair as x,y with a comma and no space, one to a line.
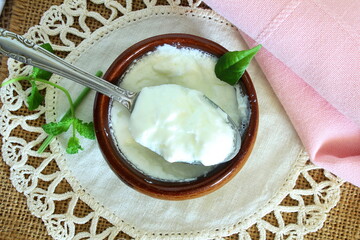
16,221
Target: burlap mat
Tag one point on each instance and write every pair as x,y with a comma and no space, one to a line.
16,221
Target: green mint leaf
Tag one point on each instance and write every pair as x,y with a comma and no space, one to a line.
99,73
231,66
73,145
56,128
35,98
39,73
85,129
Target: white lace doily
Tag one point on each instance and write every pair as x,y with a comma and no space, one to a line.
258,190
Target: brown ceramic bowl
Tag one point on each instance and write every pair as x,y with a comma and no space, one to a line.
148,185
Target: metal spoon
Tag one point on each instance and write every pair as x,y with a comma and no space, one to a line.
26,51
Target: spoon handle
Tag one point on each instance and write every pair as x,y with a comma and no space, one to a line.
26,51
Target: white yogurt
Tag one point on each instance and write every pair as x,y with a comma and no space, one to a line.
182,125
186,67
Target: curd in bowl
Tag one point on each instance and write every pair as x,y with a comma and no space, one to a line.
203,136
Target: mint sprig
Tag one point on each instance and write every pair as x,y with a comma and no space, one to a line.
73,145
69,120
84,129
232,65
35,98
76,103
56,128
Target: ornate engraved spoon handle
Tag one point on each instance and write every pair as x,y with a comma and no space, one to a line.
26,51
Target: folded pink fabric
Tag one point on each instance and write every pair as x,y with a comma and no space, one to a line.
311,57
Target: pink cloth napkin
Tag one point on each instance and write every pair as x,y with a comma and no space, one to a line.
311,57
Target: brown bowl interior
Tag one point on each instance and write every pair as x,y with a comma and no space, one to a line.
144,183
